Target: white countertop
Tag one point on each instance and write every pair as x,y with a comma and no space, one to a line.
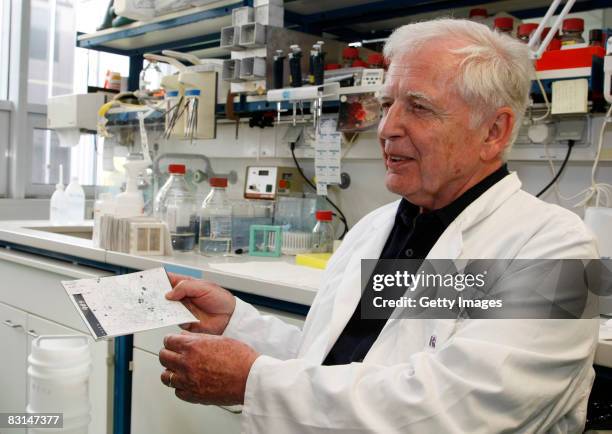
24,233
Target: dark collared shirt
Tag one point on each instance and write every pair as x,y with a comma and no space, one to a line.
412,237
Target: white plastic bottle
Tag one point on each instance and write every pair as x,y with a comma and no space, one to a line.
76,201
58,206
130,203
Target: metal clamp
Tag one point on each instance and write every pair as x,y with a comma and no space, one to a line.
11,324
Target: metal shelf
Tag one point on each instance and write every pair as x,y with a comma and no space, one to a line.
195,27
198,29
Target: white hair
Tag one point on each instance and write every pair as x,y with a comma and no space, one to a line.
495,69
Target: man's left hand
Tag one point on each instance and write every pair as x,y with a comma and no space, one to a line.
206,369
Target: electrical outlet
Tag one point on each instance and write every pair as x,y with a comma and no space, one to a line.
554,134
372,77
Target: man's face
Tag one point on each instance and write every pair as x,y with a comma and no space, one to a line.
428,145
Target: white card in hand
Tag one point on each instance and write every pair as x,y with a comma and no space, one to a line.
122,305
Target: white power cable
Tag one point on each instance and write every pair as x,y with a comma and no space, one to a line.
596,188
349,145
546,101
601,192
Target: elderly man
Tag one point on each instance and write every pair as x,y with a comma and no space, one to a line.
453,101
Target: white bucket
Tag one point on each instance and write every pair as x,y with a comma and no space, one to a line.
58,373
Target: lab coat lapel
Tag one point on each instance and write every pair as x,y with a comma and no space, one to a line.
450,243
349,290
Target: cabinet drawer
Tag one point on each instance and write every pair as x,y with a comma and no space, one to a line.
156,410
13,363
32,283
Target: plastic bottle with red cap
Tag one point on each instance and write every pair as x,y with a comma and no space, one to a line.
572,31
479,15
504,24
176,205
216,220
376,61
524,31
555,42
323,233
349,55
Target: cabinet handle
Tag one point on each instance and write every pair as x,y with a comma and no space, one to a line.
32,333
11,324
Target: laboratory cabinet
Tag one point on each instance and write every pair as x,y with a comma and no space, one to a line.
33,303
13,362
155,408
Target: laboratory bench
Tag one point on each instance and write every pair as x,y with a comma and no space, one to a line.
275,282
126,393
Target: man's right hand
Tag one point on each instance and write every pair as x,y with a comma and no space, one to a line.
210,303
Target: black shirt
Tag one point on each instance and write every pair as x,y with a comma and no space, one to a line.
412,237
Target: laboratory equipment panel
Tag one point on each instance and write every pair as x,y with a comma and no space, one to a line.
268,182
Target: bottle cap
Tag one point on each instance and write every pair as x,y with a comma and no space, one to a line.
503,23
478,12
376,59
573,25
218,182
350,53
526,29
176,168
325,216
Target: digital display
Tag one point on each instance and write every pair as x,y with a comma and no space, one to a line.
264,172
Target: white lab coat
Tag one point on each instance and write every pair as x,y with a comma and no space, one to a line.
483,376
